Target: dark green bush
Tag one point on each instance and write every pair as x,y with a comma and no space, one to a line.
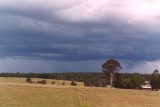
63,83
73,83
28,80
53,82
42,82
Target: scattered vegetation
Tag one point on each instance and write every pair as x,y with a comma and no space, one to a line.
88,78
42,82
73,83
53,82
63,83
28,80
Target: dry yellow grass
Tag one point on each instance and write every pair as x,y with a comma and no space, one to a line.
23,80
24,95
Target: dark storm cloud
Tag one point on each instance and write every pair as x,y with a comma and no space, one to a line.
94,44
42,33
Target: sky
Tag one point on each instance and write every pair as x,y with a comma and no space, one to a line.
79,35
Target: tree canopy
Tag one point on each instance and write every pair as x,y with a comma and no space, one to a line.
109,68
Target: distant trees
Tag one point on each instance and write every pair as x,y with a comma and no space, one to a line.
118,80
136,80
93,79
133,82
155,80
127,84
109,68
96,81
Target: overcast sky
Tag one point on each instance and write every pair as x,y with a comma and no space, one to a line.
79,35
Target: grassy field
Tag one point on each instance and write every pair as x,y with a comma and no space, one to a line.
14,94
23,80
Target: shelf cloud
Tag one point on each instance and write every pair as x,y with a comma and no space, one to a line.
76,32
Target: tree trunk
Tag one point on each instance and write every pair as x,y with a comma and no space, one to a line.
111,78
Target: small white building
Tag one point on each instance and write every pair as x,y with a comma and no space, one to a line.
146,87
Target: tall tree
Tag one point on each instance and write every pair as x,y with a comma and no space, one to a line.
109,68
155,80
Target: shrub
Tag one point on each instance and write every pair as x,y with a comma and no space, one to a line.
73,83
42,82
53,82
63,83
28,80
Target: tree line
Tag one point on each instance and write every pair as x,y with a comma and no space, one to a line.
96,79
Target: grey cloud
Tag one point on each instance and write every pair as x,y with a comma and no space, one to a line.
40,34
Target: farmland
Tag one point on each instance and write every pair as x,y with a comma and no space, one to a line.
16,93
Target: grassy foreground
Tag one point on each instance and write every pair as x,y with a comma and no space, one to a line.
18,95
